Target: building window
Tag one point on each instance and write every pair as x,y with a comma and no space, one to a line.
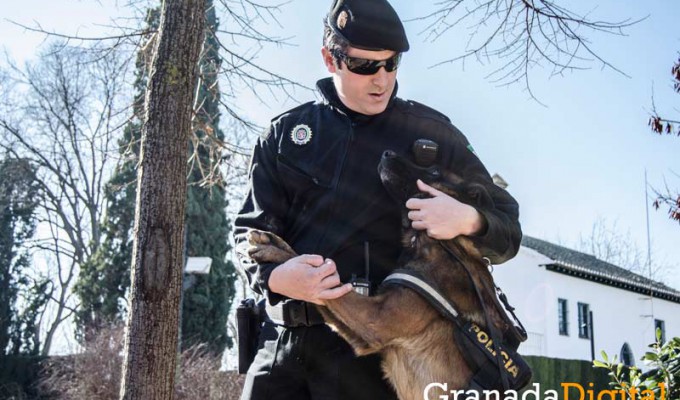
627,356
583,321
563,316
659,325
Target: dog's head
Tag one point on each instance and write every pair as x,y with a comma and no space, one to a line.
399,175
424,254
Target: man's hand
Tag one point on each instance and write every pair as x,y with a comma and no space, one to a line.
442,216
309,278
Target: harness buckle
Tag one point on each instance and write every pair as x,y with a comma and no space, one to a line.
488,264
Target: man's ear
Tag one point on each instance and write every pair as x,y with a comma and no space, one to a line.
328,60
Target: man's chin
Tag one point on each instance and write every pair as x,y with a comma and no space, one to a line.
375,108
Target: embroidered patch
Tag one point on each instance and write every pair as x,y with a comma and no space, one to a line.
469,147
301,134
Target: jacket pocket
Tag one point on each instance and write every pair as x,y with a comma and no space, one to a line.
298,181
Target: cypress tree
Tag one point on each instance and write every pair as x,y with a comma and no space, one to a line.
206,304
18,323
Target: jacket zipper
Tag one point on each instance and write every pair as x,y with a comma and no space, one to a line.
337,186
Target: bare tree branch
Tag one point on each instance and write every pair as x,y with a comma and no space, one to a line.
116,39
64,123
672,201
608,242
521,35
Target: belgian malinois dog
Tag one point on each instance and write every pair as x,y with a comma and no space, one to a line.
418,345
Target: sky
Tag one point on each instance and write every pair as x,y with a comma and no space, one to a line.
578,157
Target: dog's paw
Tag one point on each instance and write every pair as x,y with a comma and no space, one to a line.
256,237
266,247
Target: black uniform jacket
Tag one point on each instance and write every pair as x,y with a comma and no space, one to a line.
325,197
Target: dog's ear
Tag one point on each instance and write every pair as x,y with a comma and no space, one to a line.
473,194
451,189
450,184
451,177
478,195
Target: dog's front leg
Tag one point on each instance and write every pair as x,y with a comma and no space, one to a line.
378,320
357,342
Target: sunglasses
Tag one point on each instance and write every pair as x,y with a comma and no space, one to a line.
363,66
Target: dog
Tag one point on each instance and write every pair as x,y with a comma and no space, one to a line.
418,345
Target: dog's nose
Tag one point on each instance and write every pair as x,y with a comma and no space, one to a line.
389,154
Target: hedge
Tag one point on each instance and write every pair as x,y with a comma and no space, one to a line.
18,375
551,373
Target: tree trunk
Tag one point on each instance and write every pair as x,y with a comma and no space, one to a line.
152,327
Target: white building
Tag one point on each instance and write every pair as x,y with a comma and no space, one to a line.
554,288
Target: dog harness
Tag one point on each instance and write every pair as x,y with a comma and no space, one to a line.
493,358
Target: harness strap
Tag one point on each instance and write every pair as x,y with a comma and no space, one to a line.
519,332
413,280
495,337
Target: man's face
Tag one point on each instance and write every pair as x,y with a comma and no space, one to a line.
365,94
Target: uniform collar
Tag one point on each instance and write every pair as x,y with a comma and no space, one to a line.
330,96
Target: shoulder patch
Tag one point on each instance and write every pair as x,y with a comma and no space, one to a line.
472,149
427,111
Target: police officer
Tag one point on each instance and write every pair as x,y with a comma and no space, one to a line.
314,182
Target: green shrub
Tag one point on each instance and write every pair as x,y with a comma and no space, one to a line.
18,375
664,370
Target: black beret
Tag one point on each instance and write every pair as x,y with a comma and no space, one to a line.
368,25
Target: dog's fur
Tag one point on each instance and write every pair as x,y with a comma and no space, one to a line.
417,344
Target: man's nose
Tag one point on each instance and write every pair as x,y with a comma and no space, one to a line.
380,77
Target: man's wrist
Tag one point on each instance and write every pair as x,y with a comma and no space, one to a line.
273,288
478,224
272,296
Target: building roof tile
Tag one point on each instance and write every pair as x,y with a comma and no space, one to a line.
586,266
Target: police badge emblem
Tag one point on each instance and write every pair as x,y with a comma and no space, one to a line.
301,134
